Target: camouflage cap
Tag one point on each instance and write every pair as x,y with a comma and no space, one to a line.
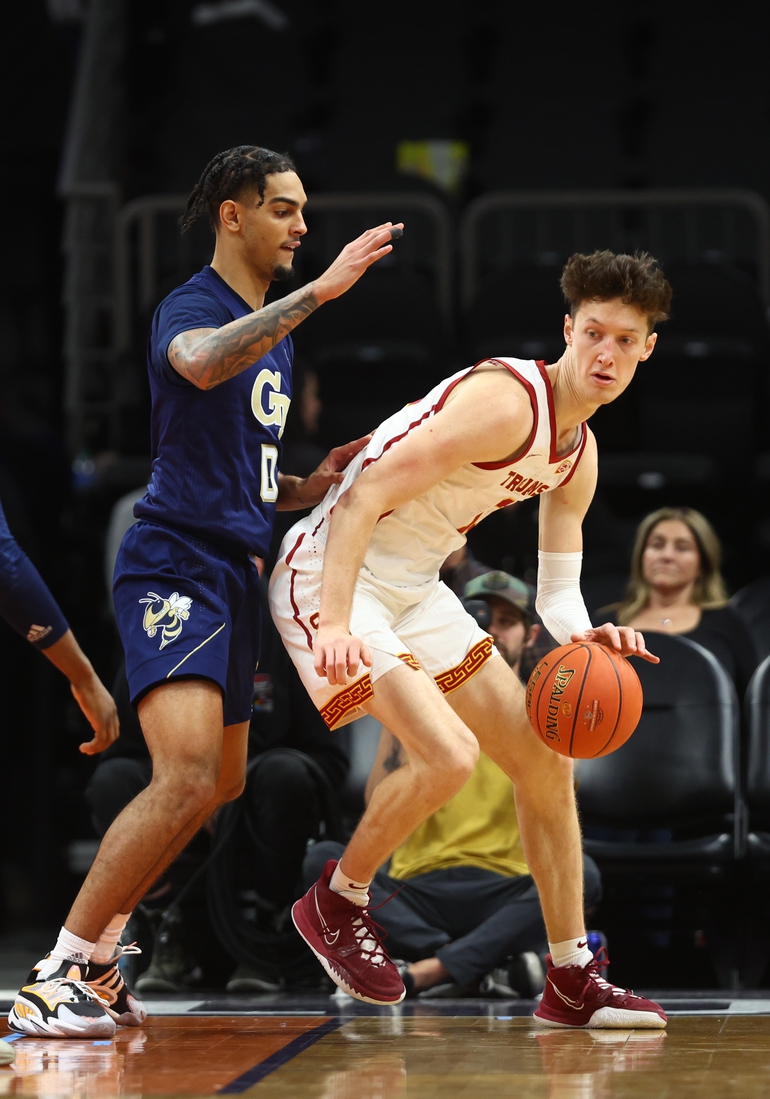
504,586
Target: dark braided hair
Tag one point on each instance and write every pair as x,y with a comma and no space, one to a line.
229,174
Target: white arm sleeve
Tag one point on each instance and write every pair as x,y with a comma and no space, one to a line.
559,602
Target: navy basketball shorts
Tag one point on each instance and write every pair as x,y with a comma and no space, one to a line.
187,610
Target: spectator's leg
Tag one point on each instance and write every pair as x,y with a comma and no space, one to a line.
412,932
115,783
510,922
284,805
316,859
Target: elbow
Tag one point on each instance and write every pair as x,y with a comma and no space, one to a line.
362,501
539,603
193,369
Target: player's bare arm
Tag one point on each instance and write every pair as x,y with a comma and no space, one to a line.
561,531
209,356
487,418
91,695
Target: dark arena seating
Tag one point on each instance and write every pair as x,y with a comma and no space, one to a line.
668,807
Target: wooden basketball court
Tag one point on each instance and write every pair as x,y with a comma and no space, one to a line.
394,1055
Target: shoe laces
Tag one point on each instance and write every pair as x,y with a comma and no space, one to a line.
83,987
369,935
600,961
131,948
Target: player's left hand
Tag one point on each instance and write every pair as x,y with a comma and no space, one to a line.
622,639
330,472
99,708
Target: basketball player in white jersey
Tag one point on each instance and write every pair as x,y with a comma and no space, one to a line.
357,598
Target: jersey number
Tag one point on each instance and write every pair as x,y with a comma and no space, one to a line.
268,485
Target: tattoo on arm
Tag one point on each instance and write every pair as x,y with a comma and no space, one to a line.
393,759
227,351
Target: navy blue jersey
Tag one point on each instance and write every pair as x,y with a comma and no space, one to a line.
215,452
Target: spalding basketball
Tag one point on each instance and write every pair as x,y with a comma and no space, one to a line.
584,700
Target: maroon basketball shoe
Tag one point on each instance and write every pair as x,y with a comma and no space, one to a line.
578,996
344,938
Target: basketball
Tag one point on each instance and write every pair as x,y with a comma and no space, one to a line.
584,700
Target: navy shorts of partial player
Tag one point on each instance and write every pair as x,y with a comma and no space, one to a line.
187,609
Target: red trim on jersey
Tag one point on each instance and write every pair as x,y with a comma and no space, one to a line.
293,601
554,457
449,388
533,401
397,438
294,548
581,448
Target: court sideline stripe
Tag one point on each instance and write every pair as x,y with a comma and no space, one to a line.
280,1057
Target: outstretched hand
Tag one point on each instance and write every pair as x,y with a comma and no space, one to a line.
354,259
621,639
99,708
330,472
337,655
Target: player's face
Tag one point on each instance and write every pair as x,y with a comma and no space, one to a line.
273,230
608,340
671,558
508,629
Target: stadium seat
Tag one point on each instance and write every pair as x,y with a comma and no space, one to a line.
756,894
716,312
679,772
753,605
517,313
381,345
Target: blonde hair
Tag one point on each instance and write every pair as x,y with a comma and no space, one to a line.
709,589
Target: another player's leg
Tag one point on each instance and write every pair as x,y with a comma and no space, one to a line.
492,703
332,917
104,974
182,721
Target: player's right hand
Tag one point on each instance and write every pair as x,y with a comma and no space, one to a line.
100,710
354,259
337,654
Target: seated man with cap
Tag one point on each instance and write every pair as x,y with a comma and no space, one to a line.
466,913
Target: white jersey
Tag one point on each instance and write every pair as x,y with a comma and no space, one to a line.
400,609
410,543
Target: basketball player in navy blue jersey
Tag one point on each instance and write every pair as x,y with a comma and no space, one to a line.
186,588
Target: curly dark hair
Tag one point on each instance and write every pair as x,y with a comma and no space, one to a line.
230,174
636,280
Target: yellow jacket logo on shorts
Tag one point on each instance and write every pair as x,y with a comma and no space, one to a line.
166,615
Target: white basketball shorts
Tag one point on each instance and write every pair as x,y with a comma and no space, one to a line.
427,628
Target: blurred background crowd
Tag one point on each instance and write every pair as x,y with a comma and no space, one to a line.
504,143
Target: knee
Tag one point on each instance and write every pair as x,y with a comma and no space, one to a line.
455,765
318,854
281,782
191,786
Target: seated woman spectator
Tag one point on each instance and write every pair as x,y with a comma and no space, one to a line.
676,587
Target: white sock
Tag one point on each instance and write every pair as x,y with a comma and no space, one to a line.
355,891
68,945
571,952
104,950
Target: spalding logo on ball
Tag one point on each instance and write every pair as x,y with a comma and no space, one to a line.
584,700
